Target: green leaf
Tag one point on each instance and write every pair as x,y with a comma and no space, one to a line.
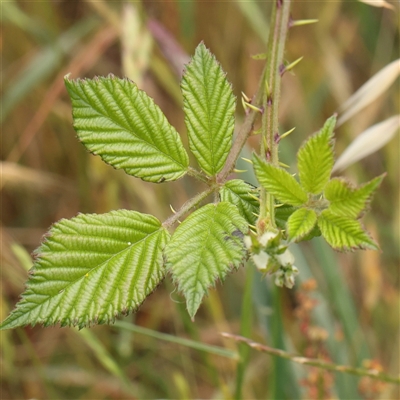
204,248
300,223
209,106
122,124
282,214
344,233
348,200
315,159
243,196
279,183
92,268
315,232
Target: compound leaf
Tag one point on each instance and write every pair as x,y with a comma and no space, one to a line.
315,159
279,183
209,106
92,268
347,200
204,248
300,223
122,124
344,233
243,196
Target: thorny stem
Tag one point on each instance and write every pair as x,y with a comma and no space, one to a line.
193,202
272,85
242,136
314,362
269,102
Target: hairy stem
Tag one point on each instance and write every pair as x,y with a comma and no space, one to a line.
191,203
198,175
242,136
272,89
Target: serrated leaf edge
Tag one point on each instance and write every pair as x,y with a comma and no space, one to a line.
94,321
144,97
216,279
298,238
366,246
214,168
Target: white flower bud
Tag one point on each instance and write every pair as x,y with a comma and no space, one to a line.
266,237
247,242
285,259
290,275
261,260
289,280
279,278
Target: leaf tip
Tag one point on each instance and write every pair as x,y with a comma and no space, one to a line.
332,119
3,326
10,323
192,307
202,45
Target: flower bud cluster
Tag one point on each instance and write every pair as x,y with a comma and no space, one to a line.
271,256
285,276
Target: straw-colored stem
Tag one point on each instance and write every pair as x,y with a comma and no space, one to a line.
314,362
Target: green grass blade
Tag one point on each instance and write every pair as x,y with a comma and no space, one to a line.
252,11
341,300
220,351
106,360
46,62
246,326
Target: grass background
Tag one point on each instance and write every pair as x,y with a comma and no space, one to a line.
344,308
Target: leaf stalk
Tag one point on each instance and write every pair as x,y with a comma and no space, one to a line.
191,203
198,175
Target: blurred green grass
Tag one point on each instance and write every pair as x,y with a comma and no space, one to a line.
358,294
